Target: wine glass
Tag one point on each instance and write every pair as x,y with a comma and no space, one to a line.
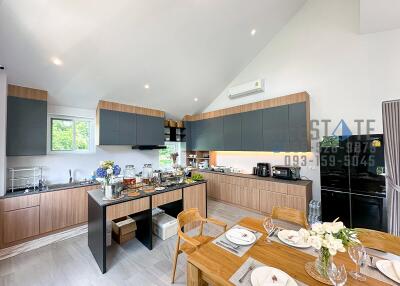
269,227
337,274
358,254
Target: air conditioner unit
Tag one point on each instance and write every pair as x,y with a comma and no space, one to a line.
246,89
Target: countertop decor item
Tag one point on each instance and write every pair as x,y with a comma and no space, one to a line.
328,238
108,171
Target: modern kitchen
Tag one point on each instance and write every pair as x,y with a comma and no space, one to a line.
263,145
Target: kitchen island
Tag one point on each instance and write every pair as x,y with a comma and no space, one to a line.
172,200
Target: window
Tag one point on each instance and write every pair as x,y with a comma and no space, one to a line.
165,159
70,134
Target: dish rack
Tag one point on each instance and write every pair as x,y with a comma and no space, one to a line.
28,178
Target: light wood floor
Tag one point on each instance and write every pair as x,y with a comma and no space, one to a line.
70,262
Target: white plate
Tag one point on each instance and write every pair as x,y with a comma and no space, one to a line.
284,234
262,276
240,236
386,267
159,188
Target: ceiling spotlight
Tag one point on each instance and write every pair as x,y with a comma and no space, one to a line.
57,61
146,86
196,99
253,32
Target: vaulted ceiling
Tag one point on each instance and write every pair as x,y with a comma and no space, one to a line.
183,49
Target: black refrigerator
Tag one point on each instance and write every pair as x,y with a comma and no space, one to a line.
353,181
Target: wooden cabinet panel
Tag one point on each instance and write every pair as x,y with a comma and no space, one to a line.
270,199
128,208
263,185
79,205
62,209
278,187
195,197
296,190
46,212
249,198
21,202
165,198
20,224
297,202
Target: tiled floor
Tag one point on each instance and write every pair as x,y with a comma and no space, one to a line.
70,262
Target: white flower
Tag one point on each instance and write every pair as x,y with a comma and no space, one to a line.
109,171
304,234
315,242
337,226
318,228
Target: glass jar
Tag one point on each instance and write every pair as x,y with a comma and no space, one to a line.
147,173
129,176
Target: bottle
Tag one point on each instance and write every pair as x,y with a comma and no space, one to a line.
129,180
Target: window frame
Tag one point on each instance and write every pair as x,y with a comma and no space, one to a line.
74,119
179,150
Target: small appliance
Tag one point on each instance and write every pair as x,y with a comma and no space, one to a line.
263,170
286,172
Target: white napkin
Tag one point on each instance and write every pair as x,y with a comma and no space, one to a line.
293,236
282,279
396,267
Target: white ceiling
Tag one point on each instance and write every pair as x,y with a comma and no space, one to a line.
379,15
110,49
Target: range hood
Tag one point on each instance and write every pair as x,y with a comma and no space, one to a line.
148,147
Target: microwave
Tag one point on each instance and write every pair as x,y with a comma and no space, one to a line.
286,172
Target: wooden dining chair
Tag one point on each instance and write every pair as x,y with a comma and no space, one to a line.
379,240
290,215
191,244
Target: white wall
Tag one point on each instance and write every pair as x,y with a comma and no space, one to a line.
56,166
3,121
321,51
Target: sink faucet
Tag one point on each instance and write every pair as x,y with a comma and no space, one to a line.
70,176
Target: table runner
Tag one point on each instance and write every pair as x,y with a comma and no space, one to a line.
368,271
247,280
240,251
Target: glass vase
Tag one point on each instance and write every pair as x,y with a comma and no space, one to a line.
323,262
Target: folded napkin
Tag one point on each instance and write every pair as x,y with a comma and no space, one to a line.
396,267
275,279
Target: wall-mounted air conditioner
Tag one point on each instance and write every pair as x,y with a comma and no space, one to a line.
247,88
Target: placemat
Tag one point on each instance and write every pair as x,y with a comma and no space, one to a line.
242,270
368,271
222,242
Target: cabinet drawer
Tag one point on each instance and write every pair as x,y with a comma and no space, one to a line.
295,190
20,224
22,202
278,187
298,203
165,198
127,208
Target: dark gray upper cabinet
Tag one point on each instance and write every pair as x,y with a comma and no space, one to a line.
127,128
232,126
214,130
149,130
275,126
252,131
188,137
26,127
109,127
199,135
298,137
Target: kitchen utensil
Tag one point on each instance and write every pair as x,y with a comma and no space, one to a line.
227,247
251,267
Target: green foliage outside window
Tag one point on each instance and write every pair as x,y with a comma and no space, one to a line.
70,135
165,159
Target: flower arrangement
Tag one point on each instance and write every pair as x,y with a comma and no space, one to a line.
329,238
108,170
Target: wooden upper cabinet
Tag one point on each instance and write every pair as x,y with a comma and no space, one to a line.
119,124
26,121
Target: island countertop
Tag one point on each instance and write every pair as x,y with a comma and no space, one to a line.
98,195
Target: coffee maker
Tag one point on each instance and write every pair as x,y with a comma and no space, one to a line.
262,170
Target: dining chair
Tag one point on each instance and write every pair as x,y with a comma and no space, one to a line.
290,215
191,243
379,240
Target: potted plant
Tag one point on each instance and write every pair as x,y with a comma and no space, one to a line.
107,171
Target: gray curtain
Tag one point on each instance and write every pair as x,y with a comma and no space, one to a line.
391,130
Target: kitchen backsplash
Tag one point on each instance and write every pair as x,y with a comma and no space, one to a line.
55,167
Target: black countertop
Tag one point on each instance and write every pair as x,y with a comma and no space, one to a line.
98,195
254,177
51,188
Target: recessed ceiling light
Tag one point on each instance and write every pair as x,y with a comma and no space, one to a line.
253,32
57,61
146,86
196,99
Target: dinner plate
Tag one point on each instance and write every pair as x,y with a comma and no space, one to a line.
240,236
387,268
160,188
285,234
263,276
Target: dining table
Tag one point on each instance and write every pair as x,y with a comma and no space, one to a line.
214,265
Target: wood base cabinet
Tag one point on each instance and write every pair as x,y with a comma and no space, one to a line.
20,224
195,197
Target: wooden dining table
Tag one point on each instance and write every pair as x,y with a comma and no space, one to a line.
213,265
